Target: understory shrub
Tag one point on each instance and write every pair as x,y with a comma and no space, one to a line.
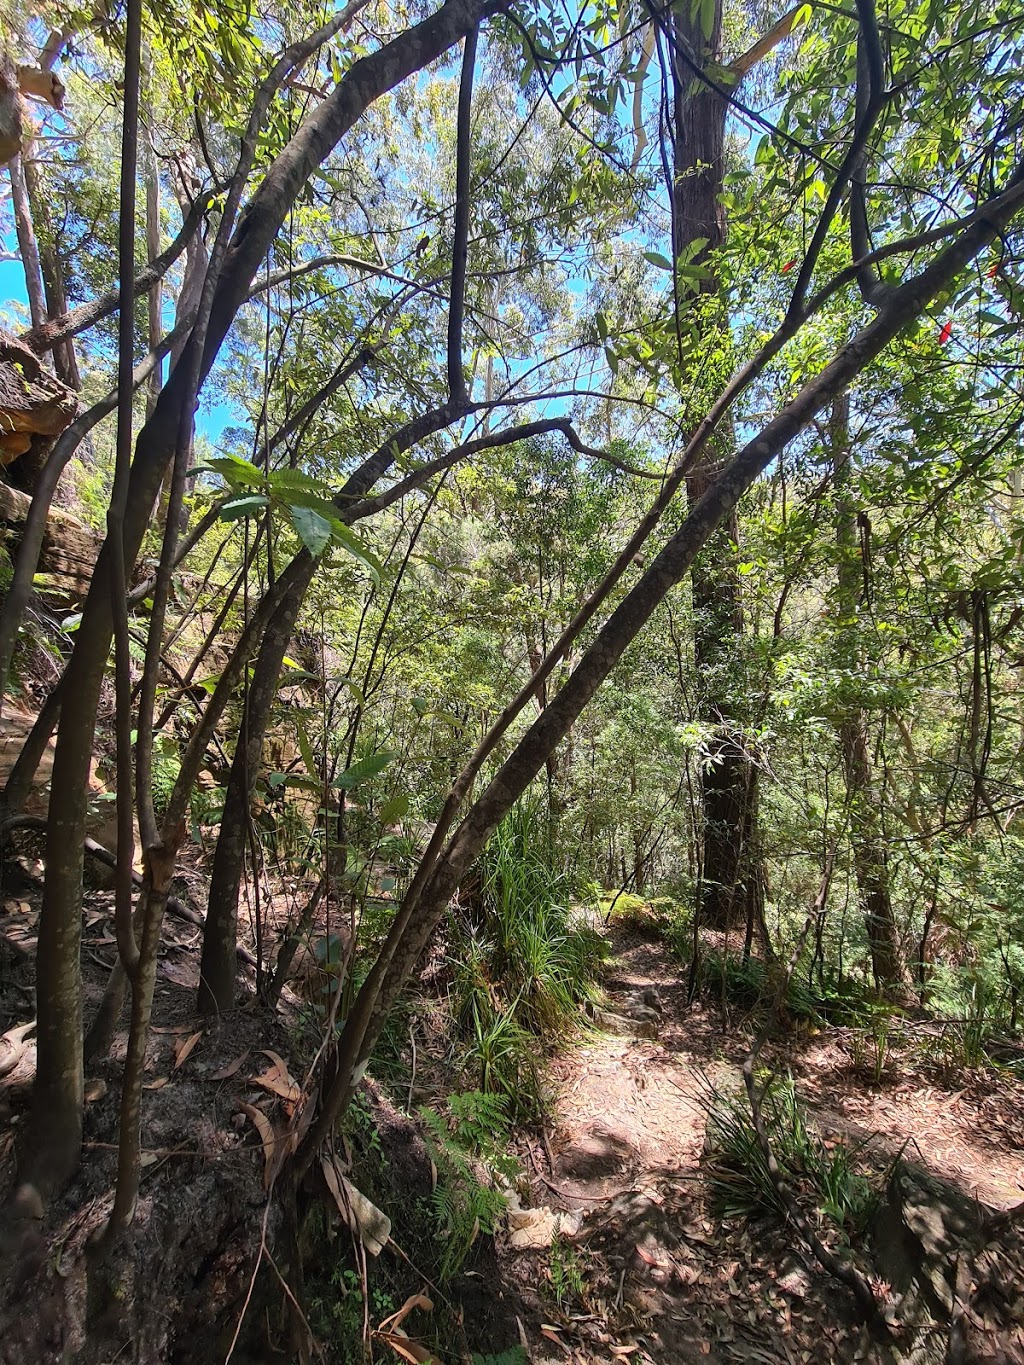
821,1174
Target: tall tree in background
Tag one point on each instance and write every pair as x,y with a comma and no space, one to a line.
731,879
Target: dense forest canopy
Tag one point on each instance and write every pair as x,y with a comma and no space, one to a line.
520,450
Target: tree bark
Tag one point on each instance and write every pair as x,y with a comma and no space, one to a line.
728,780
220,938
867,837
65,362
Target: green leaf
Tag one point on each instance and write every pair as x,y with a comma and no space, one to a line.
313,530
305,748
235,471
656,258
307,784
248,506
394,809
348,540
366,768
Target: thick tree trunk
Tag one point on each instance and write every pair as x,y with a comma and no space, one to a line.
729,871
867,837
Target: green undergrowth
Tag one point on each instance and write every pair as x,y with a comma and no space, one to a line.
523,962
439,1176
822,1175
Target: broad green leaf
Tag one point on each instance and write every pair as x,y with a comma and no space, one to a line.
248,506
313,530
366,768
394,809
235,471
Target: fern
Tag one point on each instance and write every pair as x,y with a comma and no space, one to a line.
463,1206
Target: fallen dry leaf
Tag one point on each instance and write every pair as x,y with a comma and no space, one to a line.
277,1084
409,1350
158,1084
369,1223
268,1137
395,1320
183,1049
226,1072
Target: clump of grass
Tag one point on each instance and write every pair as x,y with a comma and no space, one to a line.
526,966
820,1174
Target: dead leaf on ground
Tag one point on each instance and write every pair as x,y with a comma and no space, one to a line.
183,1049
226,1072
551,1333
395,1320
279,1080
268,1137
407,1349
369,1223
390,1331
158,1084
95,1089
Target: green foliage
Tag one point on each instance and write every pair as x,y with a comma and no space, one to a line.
526,968
565,1271
515,1355
465,1205
736,1168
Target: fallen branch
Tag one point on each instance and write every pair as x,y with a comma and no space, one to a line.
175,907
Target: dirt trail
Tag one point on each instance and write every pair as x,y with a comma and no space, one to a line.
661,1282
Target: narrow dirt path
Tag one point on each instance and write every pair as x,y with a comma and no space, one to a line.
655,1279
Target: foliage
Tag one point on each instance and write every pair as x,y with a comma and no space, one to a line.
736,1167
464,1204
565,1271
524,968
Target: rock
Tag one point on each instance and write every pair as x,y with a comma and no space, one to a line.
534,1229
958,1267
920,1229
625,1026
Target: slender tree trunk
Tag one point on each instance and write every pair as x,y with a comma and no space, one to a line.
219,963
728,780
52,1145
65,362
28,246
867,837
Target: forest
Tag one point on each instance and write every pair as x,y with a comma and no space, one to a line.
511,681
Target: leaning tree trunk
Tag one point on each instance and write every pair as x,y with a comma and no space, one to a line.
867,836
730,872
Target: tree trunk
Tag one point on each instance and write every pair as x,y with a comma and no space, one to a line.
220,937
52,1146
27,244
728,780
867,837
65,362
